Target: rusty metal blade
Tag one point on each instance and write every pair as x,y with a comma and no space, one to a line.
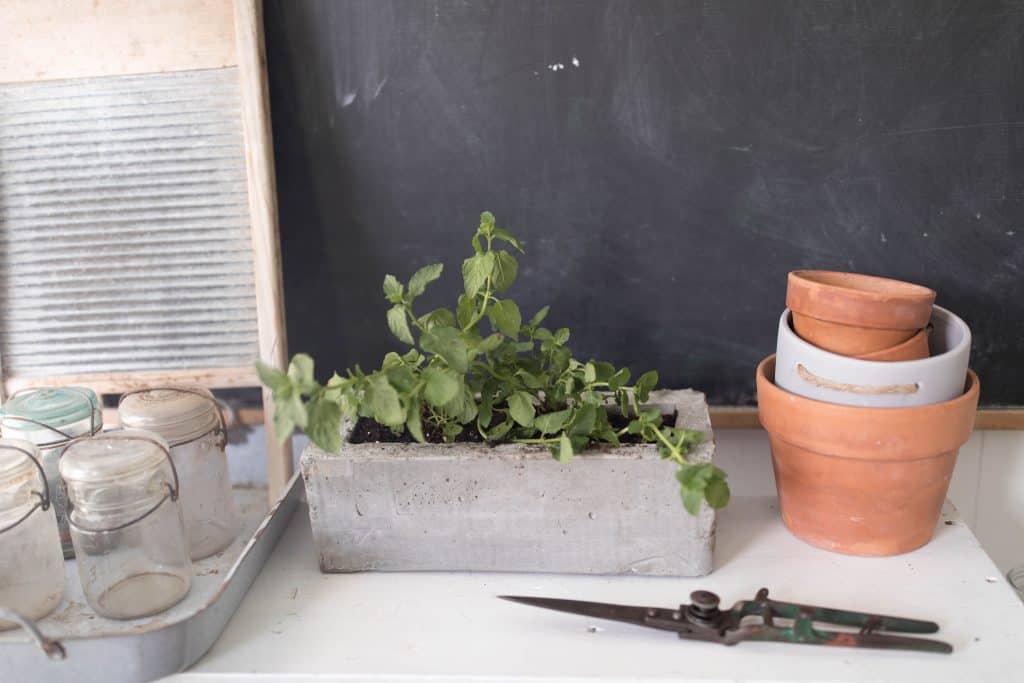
629,614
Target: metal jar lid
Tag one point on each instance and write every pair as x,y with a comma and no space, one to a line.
52,415
178,414
113,457
117,475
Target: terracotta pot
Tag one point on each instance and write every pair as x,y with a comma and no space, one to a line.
862,481
914,348
848,340
860,300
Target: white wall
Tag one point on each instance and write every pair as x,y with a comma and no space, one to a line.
987,487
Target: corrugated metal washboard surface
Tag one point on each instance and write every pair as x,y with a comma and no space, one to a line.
124,225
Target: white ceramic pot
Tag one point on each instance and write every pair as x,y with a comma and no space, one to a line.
804,369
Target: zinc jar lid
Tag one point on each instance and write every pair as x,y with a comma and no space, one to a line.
179,414
113,456
57,407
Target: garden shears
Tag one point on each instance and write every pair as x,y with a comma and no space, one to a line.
760,619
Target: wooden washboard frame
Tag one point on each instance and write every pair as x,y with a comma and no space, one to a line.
69,68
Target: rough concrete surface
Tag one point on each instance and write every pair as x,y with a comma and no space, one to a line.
510,508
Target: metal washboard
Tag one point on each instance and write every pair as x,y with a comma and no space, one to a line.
138,219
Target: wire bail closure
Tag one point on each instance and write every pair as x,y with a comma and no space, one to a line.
222,425
172,491
44,497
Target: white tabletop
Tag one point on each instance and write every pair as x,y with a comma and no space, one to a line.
297,624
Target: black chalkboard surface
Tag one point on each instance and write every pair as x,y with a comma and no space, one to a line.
665,162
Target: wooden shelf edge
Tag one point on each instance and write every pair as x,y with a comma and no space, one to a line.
728,417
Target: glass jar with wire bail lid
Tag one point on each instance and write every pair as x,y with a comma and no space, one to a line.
189,418
125,517
31,562
51,418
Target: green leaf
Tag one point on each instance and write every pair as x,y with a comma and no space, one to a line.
272,378
505,236
551,423
583,424
485,411
451,430
506,317
691,500
505,270
487,222
561,335
401,378
717,492
539,316
442,386
300,371
439,317
423,277
465,310
589,373
393,289
490,343
618,380
475,271
564,452
469,408
289,413
414,422
560,358
399,324
645,384
324,424
446,343
530,380
604,370
384,402
520,408
500,430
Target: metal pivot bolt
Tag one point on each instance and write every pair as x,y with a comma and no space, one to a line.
703,609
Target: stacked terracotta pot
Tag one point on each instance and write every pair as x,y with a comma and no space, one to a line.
866,402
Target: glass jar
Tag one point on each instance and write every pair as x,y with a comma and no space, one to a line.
125,518
31,562
51,418
1016,578
191,422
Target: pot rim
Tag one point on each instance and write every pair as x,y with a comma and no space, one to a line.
915,339
868,433
891,304
923,363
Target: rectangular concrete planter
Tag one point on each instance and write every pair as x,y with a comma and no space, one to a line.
510,508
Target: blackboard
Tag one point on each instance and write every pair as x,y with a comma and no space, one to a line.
666,164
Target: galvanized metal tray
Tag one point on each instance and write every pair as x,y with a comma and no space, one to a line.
75,645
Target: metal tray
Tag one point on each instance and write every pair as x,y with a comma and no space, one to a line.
75,645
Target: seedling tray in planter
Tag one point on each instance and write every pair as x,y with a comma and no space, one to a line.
511,507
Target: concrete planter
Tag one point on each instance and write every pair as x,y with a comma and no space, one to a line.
512,508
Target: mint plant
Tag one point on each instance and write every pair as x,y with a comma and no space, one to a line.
480,367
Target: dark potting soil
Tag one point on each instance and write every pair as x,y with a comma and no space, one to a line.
371,431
